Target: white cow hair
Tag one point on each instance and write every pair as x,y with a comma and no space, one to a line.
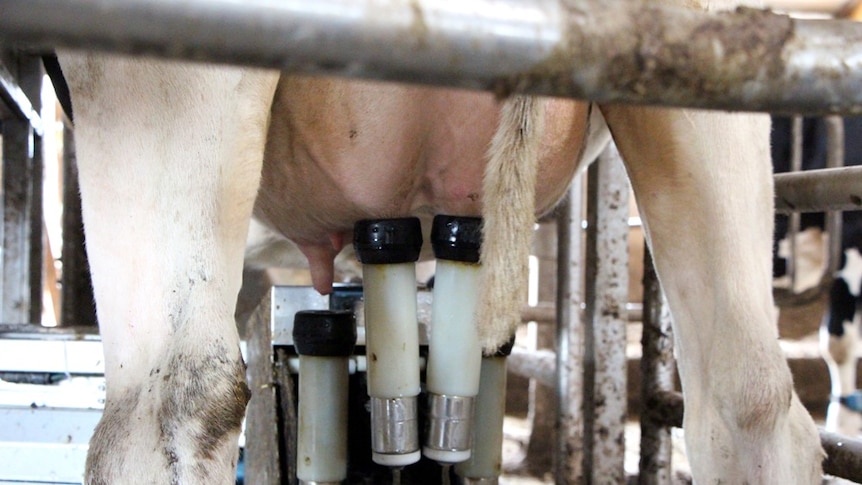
852,271
509,201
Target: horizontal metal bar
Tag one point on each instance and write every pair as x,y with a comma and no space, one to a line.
17,101
601,50
824,7
819,190
53,356
843,454
545,312
533,364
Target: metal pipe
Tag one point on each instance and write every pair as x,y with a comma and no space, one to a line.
546,313
795,218
568,453
819,190
843,456
824,7
605,337
834,221
17,101
21,255
534,364
785,297
843,453
658,370
602,50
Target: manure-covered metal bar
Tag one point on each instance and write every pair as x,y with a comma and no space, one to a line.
602,50
606,290
569,451
658,372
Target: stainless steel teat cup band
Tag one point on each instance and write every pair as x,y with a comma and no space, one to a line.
394,425
450,421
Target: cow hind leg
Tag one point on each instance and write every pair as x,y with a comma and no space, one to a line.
169,160
703,183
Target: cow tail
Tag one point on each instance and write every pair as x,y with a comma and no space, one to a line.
509,200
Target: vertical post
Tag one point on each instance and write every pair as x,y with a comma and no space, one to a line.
606,319
658,369
22,206
794,219
78,303
834,219
569,452
263,455
543,405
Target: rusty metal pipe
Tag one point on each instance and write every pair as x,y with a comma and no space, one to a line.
606,290
658,372
601,50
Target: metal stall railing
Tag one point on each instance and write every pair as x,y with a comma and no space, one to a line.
658,375
809,195
550,47
606,294
591,349
584,49
21,255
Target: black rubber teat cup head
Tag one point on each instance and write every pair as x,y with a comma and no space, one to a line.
387,241
324,333
457,238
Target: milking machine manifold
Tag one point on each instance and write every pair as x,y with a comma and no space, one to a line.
454,434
